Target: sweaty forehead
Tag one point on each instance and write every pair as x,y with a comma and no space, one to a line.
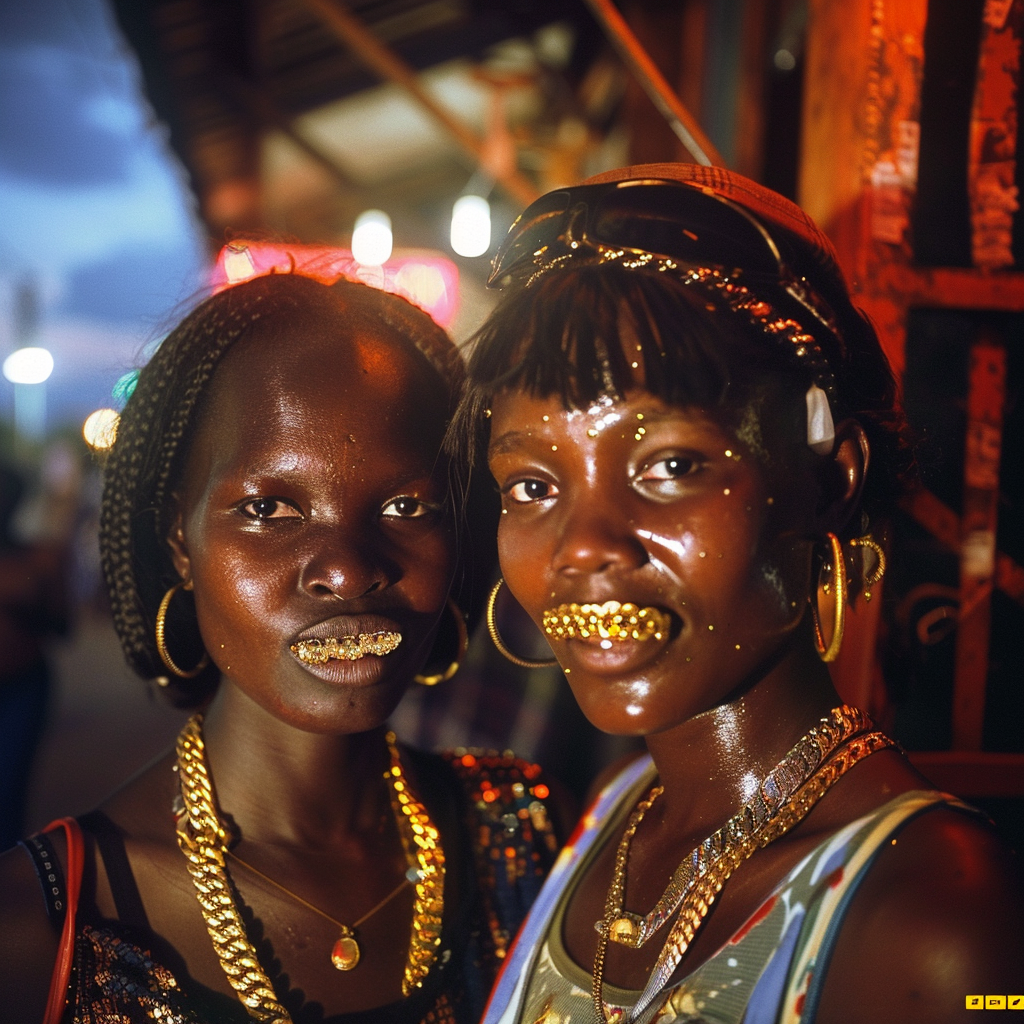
276,390
320,369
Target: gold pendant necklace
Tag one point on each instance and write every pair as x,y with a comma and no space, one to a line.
786,795
204,841
346,952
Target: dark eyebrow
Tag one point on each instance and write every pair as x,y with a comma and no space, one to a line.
506,442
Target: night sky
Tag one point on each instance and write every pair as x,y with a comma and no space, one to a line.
96,221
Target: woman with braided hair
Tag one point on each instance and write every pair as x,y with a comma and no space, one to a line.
279,538
694,434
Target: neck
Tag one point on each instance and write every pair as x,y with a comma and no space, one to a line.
712,764
283,786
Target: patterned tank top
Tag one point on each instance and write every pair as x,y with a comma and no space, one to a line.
770,971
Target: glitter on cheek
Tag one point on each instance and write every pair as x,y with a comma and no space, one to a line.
633,710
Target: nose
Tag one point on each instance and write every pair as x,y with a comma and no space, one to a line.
596,537
338,565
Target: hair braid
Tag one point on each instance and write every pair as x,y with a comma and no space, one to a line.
141,472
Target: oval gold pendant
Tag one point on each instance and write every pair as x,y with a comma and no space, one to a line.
345,954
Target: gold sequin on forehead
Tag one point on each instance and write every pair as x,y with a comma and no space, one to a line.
346,648
612,620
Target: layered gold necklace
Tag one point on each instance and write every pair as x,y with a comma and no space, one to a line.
785,796
205,842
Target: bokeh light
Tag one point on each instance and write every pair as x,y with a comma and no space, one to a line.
28,366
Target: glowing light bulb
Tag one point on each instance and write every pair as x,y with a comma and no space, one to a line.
371,238
28,366
100,429
471,226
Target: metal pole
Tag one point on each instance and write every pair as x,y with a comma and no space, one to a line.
636,58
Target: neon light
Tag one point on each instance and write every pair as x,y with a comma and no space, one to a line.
425,278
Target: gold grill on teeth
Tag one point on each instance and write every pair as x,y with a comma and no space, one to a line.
608,621
346,648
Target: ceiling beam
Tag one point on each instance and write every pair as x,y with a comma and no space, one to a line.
385,63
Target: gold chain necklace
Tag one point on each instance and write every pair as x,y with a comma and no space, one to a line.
204,841
784,798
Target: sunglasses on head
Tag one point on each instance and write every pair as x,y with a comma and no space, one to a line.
649,218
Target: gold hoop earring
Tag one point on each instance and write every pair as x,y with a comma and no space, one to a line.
875,576
161,638
492,628
831,651
463,645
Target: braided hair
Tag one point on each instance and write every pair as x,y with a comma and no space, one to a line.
156,429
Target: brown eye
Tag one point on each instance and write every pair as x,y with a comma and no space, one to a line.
672,468
406,507
531,490
269,508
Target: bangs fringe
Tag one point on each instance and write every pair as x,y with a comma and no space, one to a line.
596,332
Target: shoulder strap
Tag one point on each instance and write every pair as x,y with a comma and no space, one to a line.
57,1001
50,875
127,901
819,934
510,987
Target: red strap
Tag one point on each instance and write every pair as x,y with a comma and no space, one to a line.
57,1002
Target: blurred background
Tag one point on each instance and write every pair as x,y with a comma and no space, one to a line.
151,150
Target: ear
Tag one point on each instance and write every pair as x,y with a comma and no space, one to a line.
177,543
843,477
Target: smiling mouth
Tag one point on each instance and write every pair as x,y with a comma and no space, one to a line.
608,623
346,648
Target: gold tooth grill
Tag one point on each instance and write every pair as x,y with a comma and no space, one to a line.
608,621
346,648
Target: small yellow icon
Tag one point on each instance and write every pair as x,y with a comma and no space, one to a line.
1015,1002
995,1002
975,1002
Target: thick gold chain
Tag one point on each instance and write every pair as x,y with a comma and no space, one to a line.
421,842
719,855
799,764
204,842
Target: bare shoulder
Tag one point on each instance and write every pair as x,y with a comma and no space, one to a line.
937,918
28,942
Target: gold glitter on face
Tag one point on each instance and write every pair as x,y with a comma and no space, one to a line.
346,648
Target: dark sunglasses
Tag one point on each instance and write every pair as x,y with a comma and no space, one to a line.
648,218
